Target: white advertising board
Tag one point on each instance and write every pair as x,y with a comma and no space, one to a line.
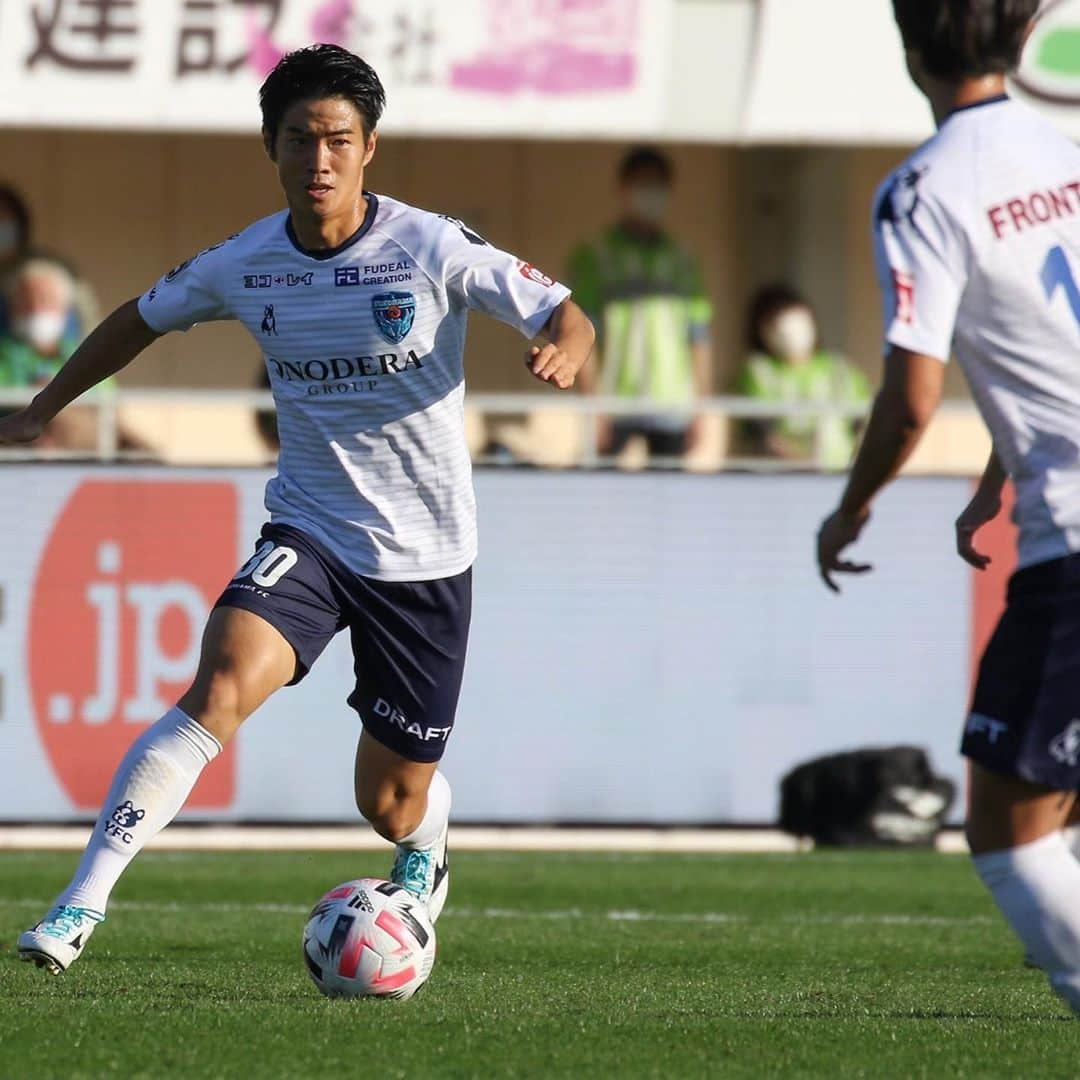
756,71
473,67
645,648
833,71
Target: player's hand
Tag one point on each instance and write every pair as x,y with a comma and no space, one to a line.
553,365
837,532
981,509
20,427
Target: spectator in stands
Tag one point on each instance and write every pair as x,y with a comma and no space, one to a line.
14,229
644,294
39,296
16,239
788,366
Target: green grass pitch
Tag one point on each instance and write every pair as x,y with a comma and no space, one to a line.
831,964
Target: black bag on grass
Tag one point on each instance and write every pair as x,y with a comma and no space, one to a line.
887,796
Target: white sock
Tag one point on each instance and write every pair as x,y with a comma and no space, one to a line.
435,816
1072,839
151,783
1036,887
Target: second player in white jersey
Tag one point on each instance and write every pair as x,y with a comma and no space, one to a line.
977,239
364,348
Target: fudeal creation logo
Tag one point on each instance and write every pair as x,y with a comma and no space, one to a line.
1051,65
126,580
394,313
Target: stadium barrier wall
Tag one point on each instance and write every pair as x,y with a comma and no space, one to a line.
646,648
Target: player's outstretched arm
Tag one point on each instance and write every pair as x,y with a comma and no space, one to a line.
570,337
903,409
112,346
983,508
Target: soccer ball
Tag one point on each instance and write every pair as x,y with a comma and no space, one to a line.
369,938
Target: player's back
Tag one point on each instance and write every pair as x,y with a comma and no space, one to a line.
985,217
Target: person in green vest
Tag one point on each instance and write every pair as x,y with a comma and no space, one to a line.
788,365
646,297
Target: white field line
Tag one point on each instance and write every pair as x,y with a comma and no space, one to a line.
564,915
464,838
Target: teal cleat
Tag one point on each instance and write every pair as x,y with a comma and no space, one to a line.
425,873
59,939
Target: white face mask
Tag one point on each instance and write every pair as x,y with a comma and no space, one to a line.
649,202
791,335
9,239
42,330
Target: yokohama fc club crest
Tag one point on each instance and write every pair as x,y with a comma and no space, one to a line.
394,313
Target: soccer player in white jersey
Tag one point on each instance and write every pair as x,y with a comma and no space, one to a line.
978,249
359,304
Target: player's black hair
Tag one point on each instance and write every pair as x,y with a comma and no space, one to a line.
958,39
641,159
766,304
321,71
15,204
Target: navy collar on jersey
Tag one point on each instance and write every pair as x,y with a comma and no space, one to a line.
997,99
329,253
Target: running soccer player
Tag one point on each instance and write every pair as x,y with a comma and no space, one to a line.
359,304
978,248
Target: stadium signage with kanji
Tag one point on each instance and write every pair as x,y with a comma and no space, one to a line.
509,67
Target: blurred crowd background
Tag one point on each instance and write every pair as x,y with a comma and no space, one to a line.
724,257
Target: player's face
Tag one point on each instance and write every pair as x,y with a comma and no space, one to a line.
320,152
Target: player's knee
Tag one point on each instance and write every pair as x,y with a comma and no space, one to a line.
392,811
218,701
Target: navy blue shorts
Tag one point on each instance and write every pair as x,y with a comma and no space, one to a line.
1025,715
408,637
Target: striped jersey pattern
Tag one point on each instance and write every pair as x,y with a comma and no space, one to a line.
364,347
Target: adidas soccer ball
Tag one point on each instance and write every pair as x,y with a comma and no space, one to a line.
369,938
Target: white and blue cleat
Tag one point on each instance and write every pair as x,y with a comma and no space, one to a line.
424,872
58,940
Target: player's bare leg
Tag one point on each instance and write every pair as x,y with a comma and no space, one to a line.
407,802
1014,830
244,660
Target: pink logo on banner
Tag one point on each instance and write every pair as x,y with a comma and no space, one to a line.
555,47
329,24
125,582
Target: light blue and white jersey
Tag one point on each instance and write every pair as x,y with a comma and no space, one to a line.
364,348
977,239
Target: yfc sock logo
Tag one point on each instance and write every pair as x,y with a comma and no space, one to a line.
124,586
124,818
1051,62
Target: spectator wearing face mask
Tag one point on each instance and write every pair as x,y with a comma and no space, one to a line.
645,295
788,365
39,295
